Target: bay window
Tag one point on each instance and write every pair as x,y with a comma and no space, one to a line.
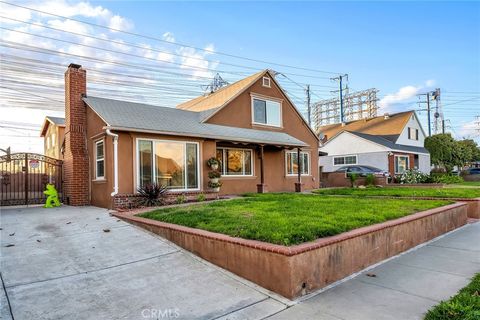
292,163
235,162
266,112
173,164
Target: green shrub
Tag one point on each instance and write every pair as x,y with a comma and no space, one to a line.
463,306
201,197
353,177
370,179
181,199
447,179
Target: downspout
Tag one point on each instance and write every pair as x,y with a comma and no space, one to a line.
115,161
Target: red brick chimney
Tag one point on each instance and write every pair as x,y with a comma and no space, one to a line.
76,164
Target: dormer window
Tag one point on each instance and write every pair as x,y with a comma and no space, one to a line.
266,112
266,82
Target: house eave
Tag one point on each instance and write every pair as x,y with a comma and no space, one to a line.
207,136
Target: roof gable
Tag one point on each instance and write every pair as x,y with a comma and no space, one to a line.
221,97
57,121
388,128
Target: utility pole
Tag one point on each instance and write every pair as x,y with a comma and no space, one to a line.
340,80
309,110
427,95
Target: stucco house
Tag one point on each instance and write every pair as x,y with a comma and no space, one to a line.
113,147
52,131
393,143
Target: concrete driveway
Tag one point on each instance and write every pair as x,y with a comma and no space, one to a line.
81,263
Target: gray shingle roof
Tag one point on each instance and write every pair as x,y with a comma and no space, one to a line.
389,144
57,120
143,117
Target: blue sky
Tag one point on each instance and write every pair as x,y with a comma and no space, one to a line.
400,48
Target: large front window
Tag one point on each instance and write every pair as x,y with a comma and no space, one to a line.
235,162
292,163
266,112
401,164
173,164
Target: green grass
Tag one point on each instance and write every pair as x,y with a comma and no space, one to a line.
468,183
289,218
465,305
448,192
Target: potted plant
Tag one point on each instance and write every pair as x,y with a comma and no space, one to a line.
215,186
213,163
214,176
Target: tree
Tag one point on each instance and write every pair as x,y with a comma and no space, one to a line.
442,148
446,152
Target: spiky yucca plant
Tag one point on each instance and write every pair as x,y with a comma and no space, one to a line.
152,194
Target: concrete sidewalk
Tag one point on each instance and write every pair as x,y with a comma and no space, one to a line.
402,288
81,263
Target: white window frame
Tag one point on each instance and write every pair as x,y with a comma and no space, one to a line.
286,163
252,107
97,177
395,167
154,141
345,164
266,82
243,158
412,133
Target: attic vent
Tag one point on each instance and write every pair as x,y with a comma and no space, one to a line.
386,116
266,82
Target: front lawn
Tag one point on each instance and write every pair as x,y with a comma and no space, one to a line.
465,305
289,218
467,183
449,192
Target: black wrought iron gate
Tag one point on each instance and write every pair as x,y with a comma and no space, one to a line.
23,177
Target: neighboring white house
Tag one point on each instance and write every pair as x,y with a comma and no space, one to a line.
393,143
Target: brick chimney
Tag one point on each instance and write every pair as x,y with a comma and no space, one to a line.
76,164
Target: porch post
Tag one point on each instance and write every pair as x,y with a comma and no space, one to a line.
298,184
261,188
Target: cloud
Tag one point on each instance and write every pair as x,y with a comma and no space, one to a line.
119,23
168,36
195,61
404,95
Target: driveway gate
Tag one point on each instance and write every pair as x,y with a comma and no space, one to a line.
23,177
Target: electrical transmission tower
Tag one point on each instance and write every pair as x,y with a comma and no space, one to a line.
439,121
216,84
348,107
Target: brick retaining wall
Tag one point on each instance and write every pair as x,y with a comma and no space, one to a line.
131,201
297,270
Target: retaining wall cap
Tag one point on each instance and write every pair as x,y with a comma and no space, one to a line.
280,249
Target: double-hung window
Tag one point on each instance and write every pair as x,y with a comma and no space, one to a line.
235,162
173,164
266,112
412,133
292,163
340,161
99,159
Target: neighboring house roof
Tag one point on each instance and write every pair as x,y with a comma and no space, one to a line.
389,144
51,120
389,127
222,96
129,116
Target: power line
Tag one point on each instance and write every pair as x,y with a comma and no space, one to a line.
167,41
